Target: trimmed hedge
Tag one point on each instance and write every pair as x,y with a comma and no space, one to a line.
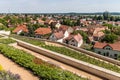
7,41
43,71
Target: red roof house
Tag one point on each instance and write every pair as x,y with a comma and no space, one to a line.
20,28
43,31
107,49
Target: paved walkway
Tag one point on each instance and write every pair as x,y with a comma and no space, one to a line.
8,65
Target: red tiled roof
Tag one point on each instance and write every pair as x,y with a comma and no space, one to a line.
49,21
20,27
43,31
114,46
40,21
77,37
63,27
99,34
59,35
84,29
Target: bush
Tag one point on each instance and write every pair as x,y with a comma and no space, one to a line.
7,41
9,76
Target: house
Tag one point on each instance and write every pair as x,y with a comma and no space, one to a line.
57,36
48,21
55,25
93,29
40,21
117,23
96,33
74,40
65,30
111,22
106,49
40,32
21,28
98,36
84,29
76,28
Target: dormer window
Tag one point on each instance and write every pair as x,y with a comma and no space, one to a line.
108,48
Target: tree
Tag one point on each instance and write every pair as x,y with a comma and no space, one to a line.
106,15
112,18
100,18
82,33
110,38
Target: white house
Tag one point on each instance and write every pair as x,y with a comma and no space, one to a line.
57,36
57,25
106,49
74,40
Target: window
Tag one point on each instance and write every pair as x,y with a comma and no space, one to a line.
99,52
108,49
115,55
103,54
72,40
107,54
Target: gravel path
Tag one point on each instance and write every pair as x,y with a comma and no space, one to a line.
8,65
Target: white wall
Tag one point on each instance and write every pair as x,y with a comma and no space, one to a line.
66,34
5,32
111,52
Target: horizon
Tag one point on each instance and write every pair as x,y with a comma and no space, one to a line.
63,6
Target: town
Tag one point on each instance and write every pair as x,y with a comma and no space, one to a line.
91,38
98,33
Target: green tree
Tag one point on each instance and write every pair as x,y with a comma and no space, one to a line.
110,38
82,33
106,15
100,18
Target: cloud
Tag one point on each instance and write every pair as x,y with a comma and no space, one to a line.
37,6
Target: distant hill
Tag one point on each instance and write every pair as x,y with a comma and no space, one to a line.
71,13
98,13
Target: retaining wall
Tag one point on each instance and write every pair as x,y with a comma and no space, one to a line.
73,62
116,62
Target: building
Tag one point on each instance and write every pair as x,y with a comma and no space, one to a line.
74,40
106,49
40,21
40,32
21,28
57,36
98,36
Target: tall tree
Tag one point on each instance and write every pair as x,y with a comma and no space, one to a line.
106,15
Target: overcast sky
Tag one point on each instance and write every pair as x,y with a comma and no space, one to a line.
50,6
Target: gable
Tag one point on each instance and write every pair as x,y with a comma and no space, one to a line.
107,47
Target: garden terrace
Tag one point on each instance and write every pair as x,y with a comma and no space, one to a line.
6,41
71,53
43,70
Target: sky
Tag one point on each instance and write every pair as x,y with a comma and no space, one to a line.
58,6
